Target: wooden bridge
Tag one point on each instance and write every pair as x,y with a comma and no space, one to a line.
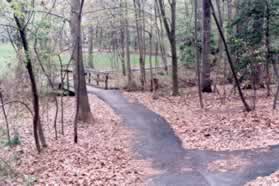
100,79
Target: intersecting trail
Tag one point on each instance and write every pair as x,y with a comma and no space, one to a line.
156,141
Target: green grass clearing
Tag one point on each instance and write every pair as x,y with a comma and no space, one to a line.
108,61
102,60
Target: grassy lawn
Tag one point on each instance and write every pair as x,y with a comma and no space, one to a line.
102,61
105,61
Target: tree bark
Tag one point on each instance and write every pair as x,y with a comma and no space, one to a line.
229,5
131,83
268,47
140,38
220,15
150,59
206,81
62,96
83,111
91,47
198,60
171,32
276,72
28,64
122,38
161,37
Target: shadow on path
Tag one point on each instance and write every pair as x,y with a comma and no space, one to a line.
157,142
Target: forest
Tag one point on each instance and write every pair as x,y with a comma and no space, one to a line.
139,92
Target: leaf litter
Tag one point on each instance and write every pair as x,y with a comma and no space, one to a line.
103,155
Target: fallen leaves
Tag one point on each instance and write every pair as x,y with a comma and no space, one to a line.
272,180
228,164
103,155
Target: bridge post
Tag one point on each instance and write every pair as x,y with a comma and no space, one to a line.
89,78
106,81
97,80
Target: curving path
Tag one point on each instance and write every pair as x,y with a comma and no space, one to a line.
157,142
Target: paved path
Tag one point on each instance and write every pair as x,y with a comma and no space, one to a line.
157,142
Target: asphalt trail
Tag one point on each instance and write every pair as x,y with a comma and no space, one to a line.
156,141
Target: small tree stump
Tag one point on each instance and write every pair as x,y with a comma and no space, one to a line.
155,87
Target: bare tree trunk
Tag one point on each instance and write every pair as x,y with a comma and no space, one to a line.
198,60
150,59
41,134
143,32
229,5
254,84
220,43
101,38
175,89
131,83
123,51
171,32
237,30
161,36
206,81
139,27
83,107
276,72
62,94
28,64
156,56
268,47
156,38
91,47
122,38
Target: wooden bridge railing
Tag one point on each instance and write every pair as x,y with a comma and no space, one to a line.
98,77
101,79
91,76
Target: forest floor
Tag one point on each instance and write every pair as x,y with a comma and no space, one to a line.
220,126
272,180
103,154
